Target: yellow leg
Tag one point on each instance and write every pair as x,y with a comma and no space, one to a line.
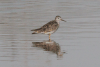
45,32
49,37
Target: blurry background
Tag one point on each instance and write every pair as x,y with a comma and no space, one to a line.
79,37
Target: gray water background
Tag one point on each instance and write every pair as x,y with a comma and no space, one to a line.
79,37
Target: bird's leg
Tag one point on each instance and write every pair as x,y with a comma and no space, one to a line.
50,29
45,32
37,31
49,37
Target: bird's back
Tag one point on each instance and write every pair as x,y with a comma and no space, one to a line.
50,27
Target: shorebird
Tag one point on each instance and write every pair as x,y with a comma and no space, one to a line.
50,27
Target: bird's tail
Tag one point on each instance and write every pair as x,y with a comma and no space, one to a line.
33,30
34,33
36,29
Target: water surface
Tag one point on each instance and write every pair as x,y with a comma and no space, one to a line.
78,38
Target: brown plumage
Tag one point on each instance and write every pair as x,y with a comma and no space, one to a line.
50,27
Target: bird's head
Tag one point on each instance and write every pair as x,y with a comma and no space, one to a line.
58,19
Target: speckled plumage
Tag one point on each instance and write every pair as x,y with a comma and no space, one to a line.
50,27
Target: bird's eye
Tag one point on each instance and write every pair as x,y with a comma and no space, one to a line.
58,18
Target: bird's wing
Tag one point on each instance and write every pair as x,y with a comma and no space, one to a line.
55,26
50,26
36,29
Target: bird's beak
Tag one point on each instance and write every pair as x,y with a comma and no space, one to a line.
63,20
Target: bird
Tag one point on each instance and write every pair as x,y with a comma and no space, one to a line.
50,27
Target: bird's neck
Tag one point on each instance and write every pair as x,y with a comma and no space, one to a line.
57,21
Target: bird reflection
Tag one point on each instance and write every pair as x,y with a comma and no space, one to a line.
49,46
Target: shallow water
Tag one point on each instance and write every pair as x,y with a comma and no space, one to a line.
78,38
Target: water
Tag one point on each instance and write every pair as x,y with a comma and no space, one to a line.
78,39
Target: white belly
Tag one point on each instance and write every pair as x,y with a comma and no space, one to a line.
48,32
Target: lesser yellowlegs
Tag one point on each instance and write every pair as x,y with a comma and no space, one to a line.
50,27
